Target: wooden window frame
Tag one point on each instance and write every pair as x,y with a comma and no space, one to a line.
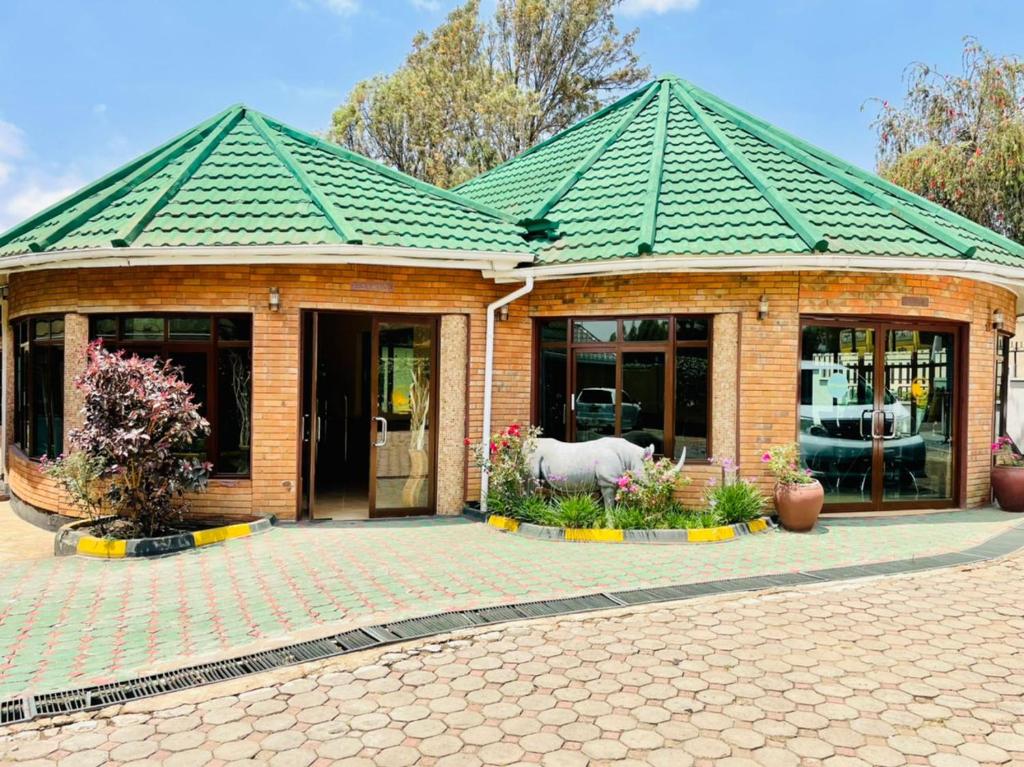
168,347
23,399
670,346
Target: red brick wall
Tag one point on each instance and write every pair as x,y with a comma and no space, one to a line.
768,348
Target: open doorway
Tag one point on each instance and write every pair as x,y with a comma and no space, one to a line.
368,393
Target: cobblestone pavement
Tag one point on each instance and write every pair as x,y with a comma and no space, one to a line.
73,621
925,669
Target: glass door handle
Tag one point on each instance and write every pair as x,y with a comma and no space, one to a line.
382,431
860,425
874,423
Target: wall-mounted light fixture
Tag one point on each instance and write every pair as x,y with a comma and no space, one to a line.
3,292
503,313
762,307
998,320
274,300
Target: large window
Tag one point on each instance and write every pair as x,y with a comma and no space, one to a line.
214,351
1003,353
642,378
39,385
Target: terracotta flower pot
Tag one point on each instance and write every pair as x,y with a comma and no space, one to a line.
1008,487
799,505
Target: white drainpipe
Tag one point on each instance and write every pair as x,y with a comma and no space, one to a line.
489,377
8,349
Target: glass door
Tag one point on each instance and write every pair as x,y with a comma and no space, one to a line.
402,417
878,421
918,416
593,403
837,402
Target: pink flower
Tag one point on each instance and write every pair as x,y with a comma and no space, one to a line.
766,457
623,481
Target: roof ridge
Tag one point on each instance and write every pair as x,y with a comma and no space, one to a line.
112,177
572,128
595,153
396,175
755,128
339,224
131,229
888,187
808,232
649,219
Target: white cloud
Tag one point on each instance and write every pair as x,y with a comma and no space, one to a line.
12,140
640,7
427,5
99,109
34,195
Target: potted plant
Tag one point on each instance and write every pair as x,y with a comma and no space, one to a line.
1008,475
798,495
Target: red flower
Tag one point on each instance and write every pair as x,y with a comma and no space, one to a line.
467,442
513,430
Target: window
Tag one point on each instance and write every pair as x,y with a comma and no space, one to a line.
1002,383
215,354
642,378
39,385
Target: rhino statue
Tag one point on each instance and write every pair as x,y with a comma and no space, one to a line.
589,466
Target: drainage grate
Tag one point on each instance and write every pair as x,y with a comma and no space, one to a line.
14,710
26,707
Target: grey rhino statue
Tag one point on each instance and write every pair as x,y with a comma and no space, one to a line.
589,466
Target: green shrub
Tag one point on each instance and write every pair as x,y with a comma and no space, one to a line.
536,510
651,489
690,520
630,518
738,501
579,510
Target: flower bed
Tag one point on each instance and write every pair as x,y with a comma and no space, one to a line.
645,499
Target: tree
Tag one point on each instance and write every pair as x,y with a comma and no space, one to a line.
129,456
471,95
959,139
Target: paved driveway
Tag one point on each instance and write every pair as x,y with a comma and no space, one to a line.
925,669
72,621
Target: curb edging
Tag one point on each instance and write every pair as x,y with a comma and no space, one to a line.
69,540
610,535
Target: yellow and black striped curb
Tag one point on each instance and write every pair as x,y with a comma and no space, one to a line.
605,535
70,540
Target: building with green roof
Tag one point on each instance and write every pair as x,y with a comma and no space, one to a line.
670,270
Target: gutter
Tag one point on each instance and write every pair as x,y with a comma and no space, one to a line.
492,309
1000,274
221,255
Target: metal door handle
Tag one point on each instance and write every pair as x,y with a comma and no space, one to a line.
305,427
382,431
860,423
572,402
319,427
874,422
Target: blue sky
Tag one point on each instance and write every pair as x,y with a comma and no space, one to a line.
87,85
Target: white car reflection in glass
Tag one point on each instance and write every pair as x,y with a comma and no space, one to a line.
836,419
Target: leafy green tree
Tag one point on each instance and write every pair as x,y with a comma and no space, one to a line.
470,95
959,139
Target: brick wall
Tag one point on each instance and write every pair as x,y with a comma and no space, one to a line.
763,388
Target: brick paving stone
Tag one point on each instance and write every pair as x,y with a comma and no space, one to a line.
815,676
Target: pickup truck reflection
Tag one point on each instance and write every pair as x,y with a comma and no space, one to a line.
836,422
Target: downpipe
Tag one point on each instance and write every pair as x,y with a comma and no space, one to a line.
492,310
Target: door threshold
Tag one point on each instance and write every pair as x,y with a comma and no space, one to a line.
888,513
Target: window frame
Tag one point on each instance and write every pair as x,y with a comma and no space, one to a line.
172,348
24,411
669,346
1002,360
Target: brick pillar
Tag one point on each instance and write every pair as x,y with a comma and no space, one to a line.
724,385
451,414
76,339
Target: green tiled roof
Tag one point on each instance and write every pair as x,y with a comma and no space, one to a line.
673,170
243,179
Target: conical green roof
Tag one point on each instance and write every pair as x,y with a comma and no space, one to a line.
674,170
244,179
